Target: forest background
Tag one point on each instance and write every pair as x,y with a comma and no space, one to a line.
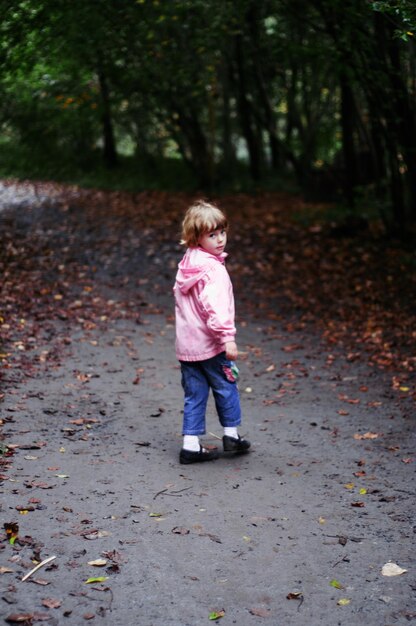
218,95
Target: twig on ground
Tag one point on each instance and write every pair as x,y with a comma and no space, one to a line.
173,493
38,566
159,493
344,558
356,539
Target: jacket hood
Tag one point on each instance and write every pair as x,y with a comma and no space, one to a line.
195,264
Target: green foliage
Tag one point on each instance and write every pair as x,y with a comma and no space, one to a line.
245,93
403,15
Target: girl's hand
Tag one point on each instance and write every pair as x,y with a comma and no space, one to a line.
231,351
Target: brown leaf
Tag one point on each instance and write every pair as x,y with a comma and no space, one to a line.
114,556
368,435
20,618
40,581
260,612
40,485
294,595
51,603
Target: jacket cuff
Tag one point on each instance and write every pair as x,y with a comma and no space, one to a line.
225,340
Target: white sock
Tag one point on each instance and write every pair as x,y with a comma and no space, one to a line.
191,442
231,431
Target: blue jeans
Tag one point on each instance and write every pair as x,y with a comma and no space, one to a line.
198,377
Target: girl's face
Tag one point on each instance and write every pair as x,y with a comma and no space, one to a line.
214,241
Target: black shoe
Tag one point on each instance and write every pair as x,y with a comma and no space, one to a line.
188,456
231,444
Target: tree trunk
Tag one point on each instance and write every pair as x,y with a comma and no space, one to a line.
110,154
347,124
198,147
253,18
245,113
228,152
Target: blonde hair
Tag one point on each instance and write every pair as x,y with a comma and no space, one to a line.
201,218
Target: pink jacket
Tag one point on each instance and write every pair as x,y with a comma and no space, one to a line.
204,306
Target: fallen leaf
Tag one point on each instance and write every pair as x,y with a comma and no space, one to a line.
5,570
40,485
51,603
358,504
368,435
97,579
12,531
115,556
41,581
98,563
392,569
294,595
260,612
336,584
343,601
216,614
16,618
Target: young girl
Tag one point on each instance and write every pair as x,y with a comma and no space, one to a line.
205,333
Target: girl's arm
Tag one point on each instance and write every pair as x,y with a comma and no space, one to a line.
217,301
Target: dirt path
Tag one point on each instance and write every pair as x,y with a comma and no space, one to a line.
295,533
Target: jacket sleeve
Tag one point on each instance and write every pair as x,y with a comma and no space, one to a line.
217,302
